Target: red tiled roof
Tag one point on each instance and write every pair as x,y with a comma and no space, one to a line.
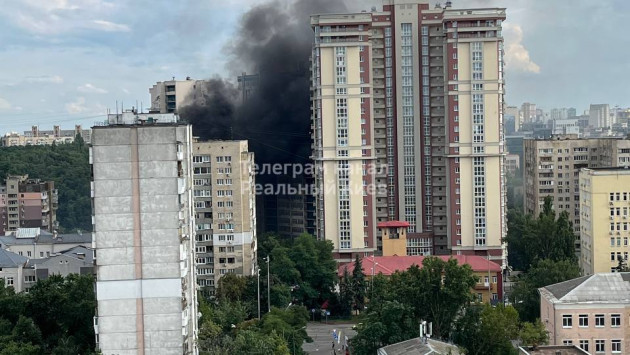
388,265
392,224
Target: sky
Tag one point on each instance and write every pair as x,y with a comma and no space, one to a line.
65,62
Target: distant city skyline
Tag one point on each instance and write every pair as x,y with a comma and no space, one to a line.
67,62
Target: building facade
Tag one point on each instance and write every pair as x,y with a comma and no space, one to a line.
591,312
169,96
37,137
604,219
408,125
225,211
552,168
144,236
27,203
529,113
599,116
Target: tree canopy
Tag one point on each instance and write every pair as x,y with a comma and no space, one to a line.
55,317
436,293
65,164
546,237
546,272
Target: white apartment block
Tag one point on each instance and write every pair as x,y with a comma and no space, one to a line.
552,167
144,236
225,211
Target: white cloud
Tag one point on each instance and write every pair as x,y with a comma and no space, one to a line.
516,55
110,26
78,106
91,89
54,79
4,104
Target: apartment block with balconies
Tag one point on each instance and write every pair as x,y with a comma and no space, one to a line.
225,211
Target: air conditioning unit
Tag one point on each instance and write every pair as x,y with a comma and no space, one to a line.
611,203
611,233
618,233
611,218
625,217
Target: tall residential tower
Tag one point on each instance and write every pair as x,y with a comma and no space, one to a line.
408,125
144,235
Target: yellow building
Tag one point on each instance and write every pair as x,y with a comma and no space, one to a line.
604,205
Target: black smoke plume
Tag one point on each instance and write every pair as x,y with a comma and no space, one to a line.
274,40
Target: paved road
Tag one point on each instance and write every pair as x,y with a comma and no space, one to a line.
322,337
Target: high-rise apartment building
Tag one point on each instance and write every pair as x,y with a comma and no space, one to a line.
27,203
37,137
407,125
144,235
529,112
225,211
552,168
514,112
169,96
599,116
604,218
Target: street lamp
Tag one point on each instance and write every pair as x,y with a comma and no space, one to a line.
268,286
258,275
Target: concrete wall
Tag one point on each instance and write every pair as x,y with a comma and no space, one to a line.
143,225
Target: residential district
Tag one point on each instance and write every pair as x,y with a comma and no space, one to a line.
429,217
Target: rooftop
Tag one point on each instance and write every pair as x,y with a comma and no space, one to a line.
388,265
597,288
553,350
417,347
10,260
43,237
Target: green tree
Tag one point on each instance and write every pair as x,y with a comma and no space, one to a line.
487,330
445,290
525,295
25,331
345,294
231,287
251,342
547,237
393,324
358,285
16,348
534,334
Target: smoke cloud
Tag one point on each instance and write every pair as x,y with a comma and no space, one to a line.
274,40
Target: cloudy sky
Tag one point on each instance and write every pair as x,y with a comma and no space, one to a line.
67,61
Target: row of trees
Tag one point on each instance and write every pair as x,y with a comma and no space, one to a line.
65,164
302,276
438,292
55,317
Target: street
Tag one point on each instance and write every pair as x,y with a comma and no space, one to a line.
322,337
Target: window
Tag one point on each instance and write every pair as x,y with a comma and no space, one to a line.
583,320
615,320
584,345
567,321
567,342
9,281
30,278
600,346
600,321
615,345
